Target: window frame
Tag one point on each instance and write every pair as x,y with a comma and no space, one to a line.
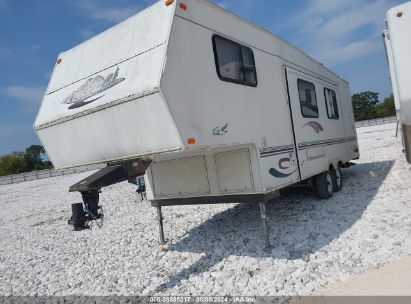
241,46
336,103
299,97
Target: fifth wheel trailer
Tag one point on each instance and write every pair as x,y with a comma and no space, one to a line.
397,40
211,108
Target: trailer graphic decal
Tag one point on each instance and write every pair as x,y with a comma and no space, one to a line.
219,131
92,87
279,174
283,164
82,104
315,125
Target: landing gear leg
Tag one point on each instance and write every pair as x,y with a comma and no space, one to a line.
82,217
90,200
263,213
160,225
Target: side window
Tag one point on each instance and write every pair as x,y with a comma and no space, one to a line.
308,99
234,62
331,103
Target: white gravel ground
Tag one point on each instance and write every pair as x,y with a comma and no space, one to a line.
212,250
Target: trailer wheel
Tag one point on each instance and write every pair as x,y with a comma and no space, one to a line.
324,185
337,179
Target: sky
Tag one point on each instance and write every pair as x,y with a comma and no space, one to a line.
345,35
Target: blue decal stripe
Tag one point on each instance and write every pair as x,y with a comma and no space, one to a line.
276,153
269,151
272,151
311,144
279,152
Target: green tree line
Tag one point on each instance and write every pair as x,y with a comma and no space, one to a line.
24,161
367,106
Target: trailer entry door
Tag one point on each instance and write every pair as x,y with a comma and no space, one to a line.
305,102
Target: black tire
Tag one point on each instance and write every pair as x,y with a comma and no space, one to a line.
337,179
324,185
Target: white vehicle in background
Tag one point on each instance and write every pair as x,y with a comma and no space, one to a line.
397,40
211,108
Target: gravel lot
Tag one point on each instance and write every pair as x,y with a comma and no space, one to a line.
212,250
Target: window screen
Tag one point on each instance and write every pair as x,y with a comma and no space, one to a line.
331,103
235,63
308,99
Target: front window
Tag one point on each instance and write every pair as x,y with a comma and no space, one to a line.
235,62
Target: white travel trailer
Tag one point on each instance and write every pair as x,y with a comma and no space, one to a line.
397,40
213,108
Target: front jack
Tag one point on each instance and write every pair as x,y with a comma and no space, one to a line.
82,217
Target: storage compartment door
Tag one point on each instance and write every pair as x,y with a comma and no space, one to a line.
234,172
182,177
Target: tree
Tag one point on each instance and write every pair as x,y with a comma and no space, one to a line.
389,106
33,157
29,160
364,105
12,164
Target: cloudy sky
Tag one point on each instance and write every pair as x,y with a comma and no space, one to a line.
343,34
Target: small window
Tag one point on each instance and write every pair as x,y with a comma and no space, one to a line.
234,62
308,99
331,103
